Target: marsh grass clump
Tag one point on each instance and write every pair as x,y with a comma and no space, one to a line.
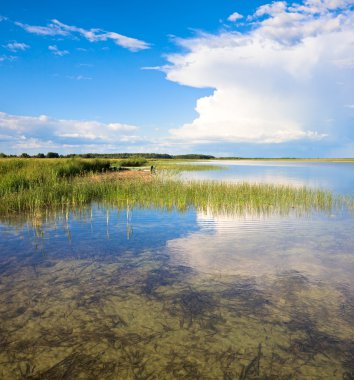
134,161
32,184
184,166
75,167
35,185
18,175
222,197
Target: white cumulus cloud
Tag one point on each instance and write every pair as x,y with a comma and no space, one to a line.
234,17
32,132
275,82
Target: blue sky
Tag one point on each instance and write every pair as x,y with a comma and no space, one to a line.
218,77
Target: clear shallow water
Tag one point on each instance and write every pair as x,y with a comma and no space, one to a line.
151,294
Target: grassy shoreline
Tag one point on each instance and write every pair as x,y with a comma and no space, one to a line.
36,185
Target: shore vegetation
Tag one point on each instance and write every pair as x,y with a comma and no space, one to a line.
35,185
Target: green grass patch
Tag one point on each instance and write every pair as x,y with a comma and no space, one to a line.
129,162
21,175
218,197
32,186
184,166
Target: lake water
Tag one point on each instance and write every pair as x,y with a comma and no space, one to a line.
102,293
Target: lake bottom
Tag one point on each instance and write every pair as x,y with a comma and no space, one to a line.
149,294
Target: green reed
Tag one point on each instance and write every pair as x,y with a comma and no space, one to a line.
36,185
27,172
134,161
28,181
183,165
218,197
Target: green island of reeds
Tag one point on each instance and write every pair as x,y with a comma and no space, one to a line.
184,165
34,185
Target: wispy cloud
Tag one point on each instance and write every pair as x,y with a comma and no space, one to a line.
56,51
57,28
16,46
85,65
50,30
7,58
79,77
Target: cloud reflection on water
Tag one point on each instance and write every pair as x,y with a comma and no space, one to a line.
320,247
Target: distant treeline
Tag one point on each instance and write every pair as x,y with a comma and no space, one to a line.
26,155
113,155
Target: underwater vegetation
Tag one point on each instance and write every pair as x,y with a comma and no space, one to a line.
134,317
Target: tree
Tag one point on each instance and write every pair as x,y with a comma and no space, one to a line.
52,155
25,155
